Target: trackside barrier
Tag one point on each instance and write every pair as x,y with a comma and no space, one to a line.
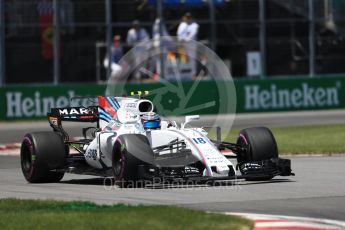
290,94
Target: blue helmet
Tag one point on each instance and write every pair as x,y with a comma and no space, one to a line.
151,120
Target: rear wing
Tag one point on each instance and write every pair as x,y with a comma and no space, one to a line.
104,110
77,114
80,114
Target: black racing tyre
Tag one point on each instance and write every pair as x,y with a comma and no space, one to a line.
40,153
261,142
125,160
261,146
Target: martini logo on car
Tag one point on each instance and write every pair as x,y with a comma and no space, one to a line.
73,111
302,96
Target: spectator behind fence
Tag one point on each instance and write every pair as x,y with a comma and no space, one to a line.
161,42
136,34
116,55
160,33
187,32
188,29
137,37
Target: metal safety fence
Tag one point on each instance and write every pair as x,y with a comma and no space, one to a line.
60,41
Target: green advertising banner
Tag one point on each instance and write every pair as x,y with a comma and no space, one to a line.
204,97
30,102
290,94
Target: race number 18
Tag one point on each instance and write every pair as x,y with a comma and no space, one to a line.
199,140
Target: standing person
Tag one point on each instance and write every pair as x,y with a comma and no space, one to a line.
187,32
156,33
116,50
137,36
188,28
116,55
161,42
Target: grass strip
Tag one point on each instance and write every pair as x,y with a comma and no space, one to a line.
49,214
317,139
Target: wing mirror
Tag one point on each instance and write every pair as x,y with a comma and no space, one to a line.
189,119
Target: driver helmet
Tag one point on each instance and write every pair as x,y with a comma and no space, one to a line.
151,120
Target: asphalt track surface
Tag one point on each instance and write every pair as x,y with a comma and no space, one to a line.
317,190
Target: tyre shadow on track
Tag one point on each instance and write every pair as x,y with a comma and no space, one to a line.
88,181
273,181
110,182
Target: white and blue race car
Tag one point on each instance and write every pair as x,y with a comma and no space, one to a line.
132,144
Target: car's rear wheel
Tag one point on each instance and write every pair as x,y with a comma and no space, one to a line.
261,145
125,160
42,153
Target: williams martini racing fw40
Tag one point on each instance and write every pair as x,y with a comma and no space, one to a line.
131,143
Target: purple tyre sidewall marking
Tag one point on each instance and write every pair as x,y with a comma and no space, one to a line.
123,160
241,136
30,145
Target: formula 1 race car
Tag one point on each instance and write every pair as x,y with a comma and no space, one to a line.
132,144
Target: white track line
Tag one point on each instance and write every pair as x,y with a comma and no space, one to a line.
292,222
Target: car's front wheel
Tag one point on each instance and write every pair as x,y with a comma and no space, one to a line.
128,148
260,144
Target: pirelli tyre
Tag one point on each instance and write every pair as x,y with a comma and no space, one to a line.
261,145
43,157
130,151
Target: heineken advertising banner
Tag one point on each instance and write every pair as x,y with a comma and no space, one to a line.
30,102
290,94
